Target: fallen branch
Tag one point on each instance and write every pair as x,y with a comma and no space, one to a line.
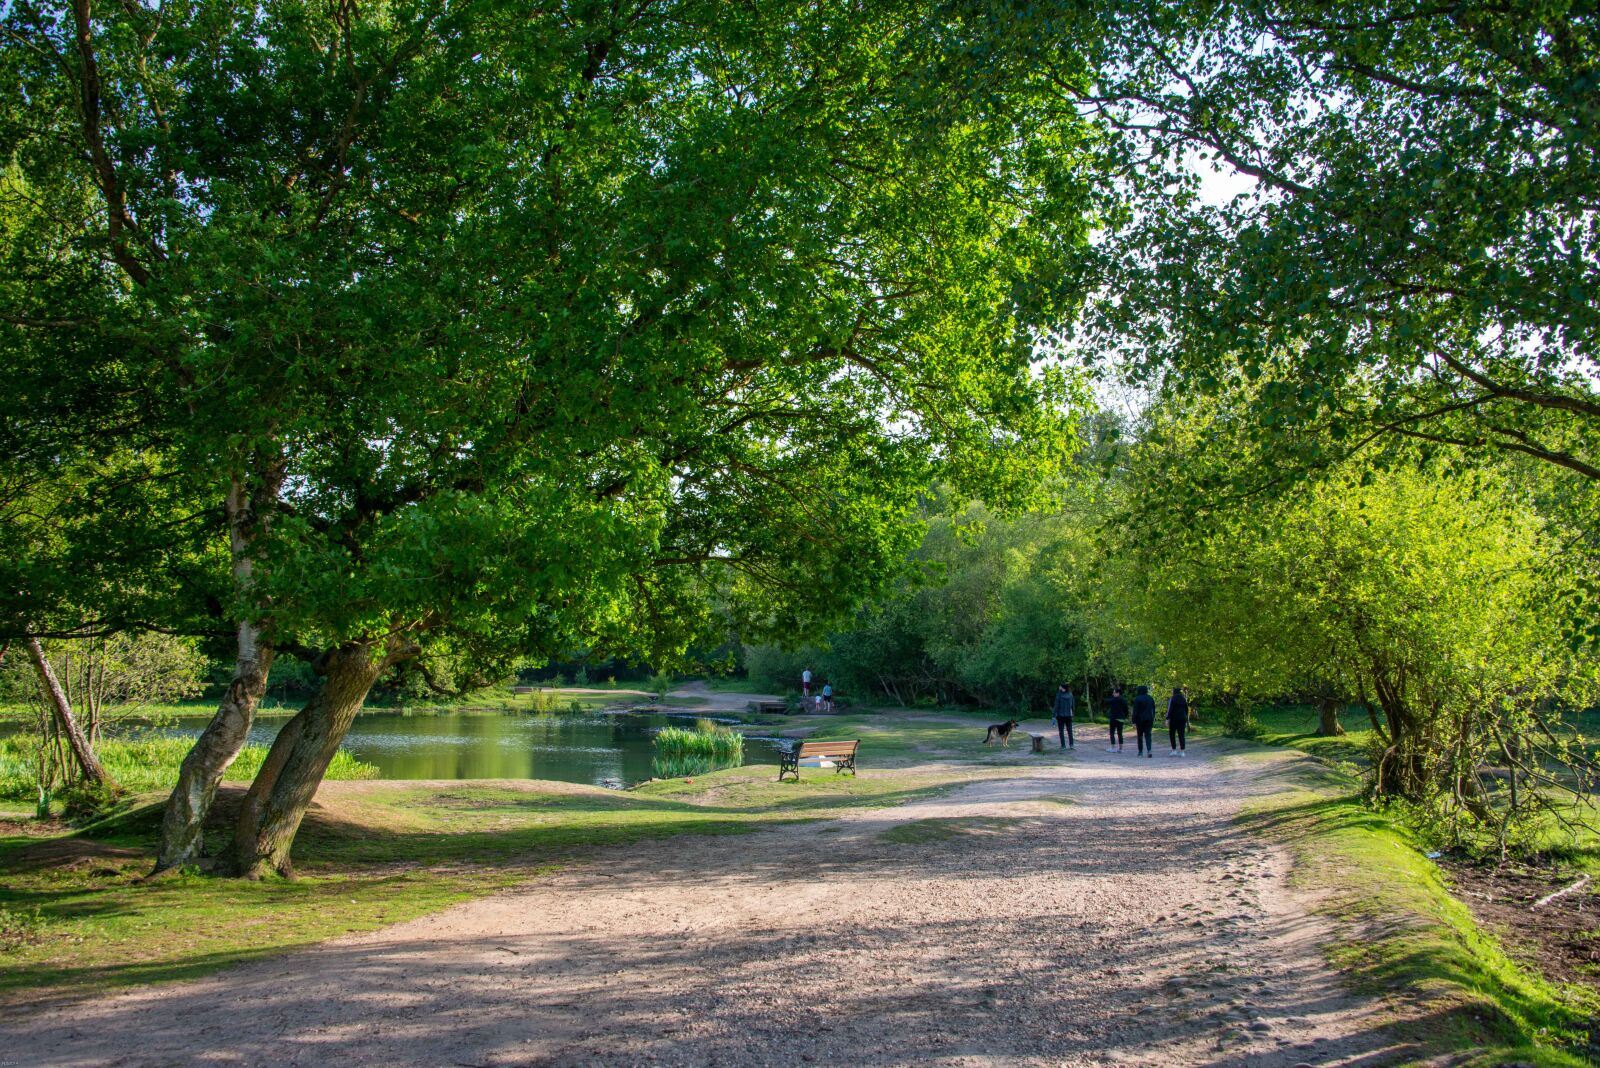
1560,893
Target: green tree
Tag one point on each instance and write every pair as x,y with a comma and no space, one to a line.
993,611
1411,250
1420,594
498,331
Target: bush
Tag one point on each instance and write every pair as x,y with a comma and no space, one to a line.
82,801
1239,719
777,670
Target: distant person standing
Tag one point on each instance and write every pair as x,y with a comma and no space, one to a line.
827,696
805,683
1065,706
1178,721
1116,712
1144,720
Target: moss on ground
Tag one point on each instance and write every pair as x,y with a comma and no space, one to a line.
1402,934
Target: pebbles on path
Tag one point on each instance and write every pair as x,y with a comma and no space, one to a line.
1034,933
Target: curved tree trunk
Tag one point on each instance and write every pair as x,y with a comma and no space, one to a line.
283,788
183,823
83,755
1328,725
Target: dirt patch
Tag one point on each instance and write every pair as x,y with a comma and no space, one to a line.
1561,940
1140,925
943,829
32,828
73,854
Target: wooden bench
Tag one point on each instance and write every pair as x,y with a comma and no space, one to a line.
841,754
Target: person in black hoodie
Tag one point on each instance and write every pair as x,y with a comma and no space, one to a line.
1116,712
1144,720
1178,721
1063,709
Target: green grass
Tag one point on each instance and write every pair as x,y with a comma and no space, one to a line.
724,684
1295,727
1401,931
146,762
29,713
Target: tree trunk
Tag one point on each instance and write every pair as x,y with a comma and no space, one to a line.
283,788
1328,725
82,752
183,823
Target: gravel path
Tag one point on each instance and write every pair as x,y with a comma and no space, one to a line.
1089,909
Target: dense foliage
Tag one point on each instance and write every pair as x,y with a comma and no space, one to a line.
1424,597
990,613
478,331
1401,238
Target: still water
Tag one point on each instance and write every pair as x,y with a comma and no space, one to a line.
604,749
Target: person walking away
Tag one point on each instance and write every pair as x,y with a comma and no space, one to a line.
1178,721
805,683
1144,721
1065,705
827,695
1116,712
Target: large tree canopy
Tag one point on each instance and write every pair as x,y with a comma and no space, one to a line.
493,328
1413,247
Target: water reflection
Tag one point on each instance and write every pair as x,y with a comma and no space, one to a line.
604,749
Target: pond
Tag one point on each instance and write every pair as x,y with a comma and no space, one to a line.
611,749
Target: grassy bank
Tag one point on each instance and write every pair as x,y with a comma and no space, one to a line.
1402,933
146,763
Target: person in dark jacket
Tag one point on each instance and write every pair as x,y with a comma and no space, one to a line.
1065,706
1116,712
1178,721
1144,720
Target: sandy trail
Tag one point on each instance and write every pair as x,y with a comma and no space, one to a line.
1089,909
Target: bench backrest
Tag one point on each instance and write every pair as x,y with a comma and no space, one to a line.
828,749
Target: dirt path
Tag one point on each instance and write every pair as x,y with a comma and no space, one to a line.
1092,910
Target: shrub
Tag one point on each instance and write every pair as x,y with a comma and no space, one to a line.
82,801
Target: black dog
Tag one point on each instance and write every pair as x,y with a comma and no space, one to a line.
1002,730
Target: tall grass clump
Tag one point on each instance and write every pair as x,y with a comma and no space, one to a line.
709,746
